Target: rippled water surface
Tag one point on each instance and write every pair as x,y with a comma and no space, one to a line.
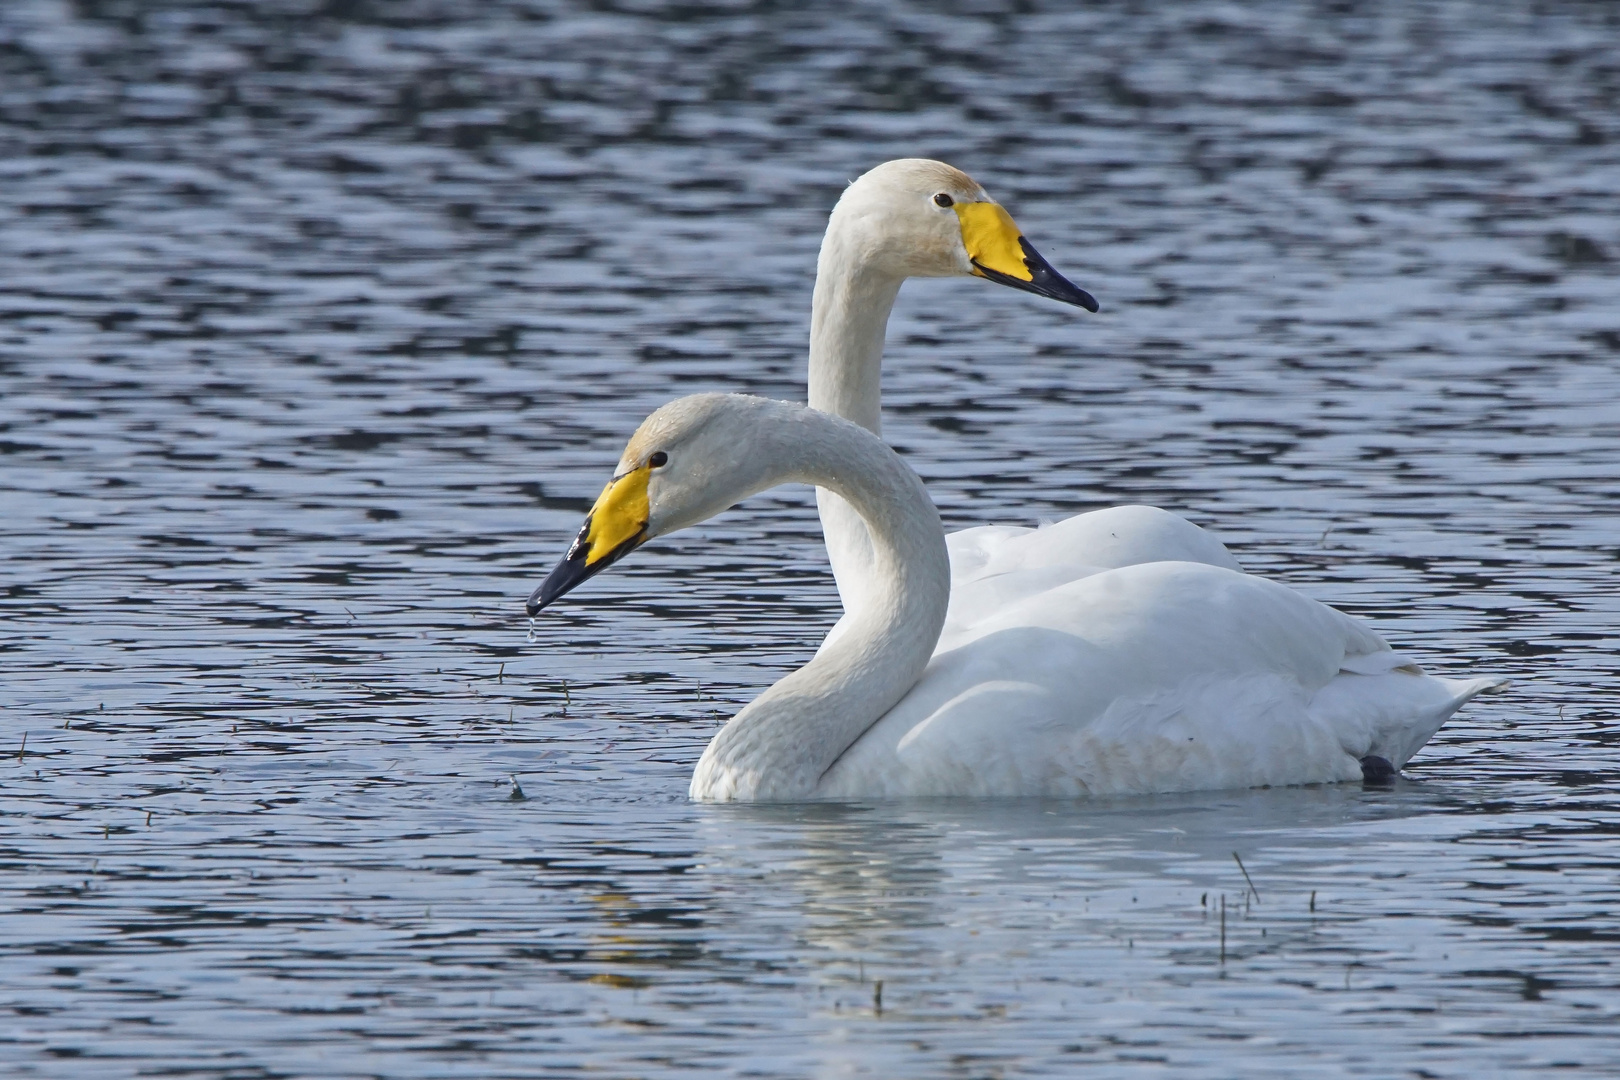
321,323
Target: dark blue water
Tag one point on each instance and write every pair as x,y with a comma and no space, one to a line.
320,325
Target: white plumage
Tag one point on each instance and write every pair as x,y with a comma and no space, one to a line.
889,226
1152,676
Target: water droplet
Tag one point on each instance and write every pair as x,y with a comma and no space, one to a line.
532,638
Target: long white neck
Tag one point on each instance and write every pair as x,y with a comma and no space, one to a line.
849,314
778,748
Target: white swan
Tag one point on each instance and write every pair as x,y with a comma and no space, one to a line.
1154,677
919,218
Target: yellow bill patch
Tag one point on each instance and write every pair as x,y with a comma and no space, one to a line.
619,516
991,239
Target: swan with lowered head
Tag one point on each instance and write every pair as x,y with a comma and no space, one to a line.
1153,677
919,218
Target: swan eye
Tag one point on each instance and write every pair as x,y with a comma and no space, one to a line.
943,199
658,459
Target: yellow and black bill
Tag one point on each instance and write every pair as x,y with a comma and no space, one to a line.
1000,253
615,527
1041,279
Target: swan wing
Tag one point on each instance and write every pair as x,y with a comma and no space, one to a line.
996,566
1154,677
1111,538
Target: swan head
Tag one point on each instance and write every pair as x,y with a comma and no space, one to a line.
687,462
919,218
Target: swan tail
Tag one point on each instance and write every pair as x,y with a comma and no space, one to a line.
1391,716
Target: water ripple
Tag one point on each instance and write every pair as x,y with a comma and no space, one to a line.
322,321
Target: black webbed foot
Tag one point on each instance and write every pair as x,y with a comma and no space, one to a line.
1377,771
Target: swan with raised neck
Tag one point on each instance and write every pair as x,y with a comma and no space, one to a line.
906,218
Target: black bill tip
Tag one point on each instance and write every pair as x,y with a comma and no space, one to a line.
1044,280
568,573
575,567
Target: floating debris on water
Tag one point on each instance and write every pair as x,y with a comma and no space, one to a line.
1247,880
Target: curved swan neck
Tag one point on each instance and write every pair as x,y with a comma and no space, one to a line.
779,747
849,313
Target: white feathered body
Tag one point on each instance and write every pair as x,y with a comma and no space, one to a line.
1154,677
1124,652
